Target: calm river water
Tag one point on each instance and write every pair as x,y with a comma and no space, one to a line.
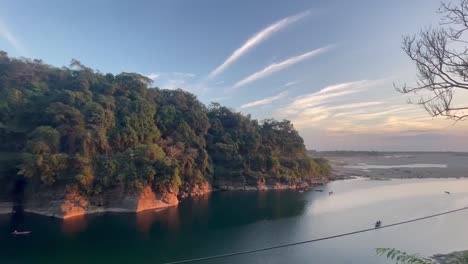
234,221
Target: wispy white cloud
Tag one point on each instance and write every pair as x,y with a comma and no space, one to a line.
153,76
376,113
338,111
291,83
174,84
338,108
364,114
184,74
8,35
264,101
174,80
272,68
355,105
323,96
221,98
256,39
340,86
309,116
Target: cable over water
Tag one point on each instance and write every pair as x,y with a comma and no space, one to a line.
231,254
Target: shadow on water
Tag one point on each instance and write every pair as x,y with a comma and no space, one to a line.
229,209
17,217
222,210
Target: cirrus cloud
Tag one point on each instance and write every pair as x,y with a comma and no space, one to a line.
272,68
257,39
8,35
264,101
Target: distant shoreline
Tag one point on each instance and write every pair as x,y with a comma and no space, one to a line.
376,153
399,165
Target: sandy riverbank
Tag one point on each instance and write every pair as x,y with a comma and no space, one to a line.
399,165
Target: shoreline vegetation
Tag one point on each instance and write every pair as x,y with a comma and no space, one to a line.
74,140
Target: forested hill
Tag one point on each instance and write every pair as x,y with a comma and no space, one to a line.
76,127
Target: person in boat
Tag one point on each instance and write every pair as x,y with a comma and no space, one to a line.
16,232
378,224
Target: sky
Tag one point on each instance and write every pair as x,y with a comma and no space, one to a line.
328,66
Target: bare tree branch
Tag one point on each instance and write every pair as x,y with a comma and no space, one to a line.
441,59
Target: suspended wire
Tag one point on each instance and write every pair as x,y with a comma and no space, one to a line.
309,241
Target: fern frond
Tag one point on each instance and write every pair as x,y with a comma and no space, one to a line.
402,257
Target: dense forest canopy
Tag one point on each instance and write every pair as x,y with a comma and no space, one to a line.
76,127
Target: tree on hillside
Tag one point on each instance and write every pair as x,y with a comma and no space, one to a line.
441,58
76,127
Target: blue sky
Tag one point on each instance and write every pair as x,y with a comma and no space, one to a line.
329,66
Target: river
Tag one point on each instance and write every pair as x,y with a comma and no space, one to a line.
224,222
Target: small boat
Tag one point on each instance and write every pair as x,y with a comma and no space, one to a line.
21,232
330,193
318,190
447,192
378,224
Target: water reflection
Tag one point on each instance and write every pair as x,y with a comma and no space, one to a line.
404,190
167,219
234,221
145,219
241,208
74,225
17,217
201,203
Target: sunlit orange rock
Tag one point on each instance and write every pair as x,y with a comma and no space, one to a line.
199,189
148,200
261,184
170,199
74,205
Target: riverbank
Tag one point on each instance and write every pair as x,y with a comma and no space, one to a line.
266,184
398,165
72,204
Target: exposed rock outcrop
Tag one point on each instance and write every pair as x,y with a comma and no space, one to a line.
148,199
73,204
196,190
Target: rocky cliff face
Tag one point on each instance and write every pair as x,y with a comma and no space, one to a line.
196,190
148,199
74,204
71,203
